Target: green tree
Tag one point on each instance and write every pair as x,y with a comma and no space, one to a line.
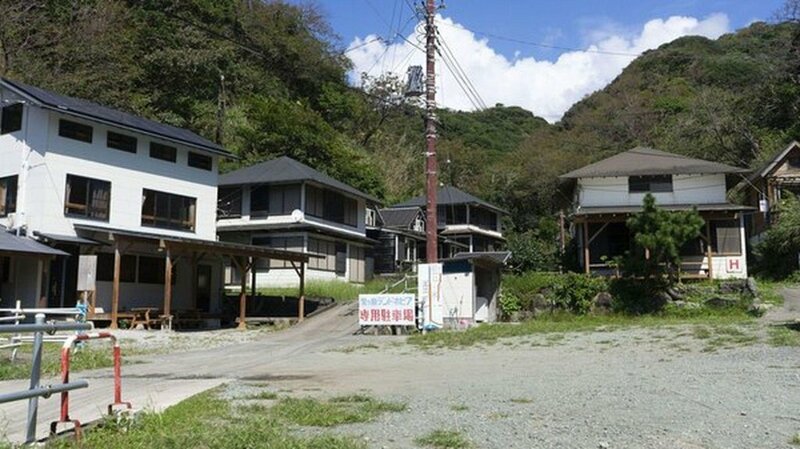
659,236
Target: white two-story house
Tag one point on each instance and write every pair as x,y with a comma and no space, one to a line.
607,192
285,204
139,195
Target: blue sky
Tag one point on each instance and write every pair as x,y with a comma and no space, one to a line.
583,44
566,23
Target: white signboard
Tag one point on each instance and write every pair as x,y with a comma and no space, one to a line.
390,309
429,286
87,273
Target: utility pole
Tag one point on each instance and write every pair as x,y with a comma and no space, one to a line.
431,164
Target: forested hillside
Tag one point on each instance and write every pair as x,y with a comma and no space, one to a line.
268,78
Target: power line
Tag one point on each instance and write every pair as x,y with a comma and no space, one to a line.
539,44
459,68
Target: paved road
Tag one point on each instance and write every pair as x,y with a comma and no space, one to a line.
168,379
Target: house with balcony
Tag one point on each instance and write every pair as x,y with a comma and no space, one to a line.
129,203
607,192
287,205
766,187
466,223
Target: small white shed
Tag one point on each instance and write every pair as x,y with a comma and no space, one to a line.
471,286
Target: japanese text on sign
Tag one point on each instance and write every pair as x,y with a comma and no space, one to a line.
386,310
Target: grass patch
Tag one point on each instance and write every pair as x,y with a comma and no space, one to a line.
520,400
203,421
784,336
769,291
795,441
338,290
340,410
444,439
92,356
264,395
459,408
560,323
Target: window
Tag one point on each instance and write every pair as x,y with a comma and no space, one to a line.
259,200
725,235
151,270
8,195
323,248
75,131
452,214
121,142
88,198
200,161
163,152
105,267
167,210
651,183
274,199
371,217
331,206
11,118
341,258
483,218
282,243
229,202
5,269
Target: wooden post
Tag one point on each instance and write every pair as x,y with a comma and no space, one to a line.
168,283
115,286
193,288
244,267
302,299
586,256
253,279
709,250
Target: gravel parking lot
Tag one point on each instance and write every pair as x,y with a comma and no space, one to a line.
634,388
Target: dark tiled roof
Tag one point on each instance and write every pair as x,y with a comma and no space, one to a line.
648,161
93,111
447,196
11,243
495,257
400,217
771,164
716,207
286,169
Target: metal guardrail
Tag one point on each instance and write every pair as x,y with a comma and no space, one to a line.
35,391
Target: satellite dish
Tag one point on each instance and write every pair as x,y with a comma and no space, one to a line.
298,215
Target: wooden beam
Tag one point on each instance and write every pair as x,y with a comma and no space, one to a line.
709,249
245,267
167,282
115,286
586,256
301,301
193,287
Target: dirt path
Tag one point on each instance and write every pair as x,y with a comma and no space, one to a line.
789,311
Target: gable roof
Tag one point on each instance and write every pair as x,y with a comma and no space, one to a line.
286,169
772,164
399,217
95,112
648,161
447,196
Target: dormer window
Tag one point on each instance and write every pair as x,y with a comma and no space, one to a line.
650,184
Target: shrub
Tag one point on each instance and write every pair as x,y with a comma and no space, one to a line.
509,304
576,292
570,291
638,296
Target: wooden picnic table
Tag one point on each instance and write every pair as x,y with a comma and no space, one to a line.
141,315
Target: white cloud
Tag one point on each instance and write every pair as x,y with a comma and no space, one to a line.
548,88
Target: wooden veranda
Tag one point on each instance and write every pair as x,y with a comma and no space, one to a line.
186,250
